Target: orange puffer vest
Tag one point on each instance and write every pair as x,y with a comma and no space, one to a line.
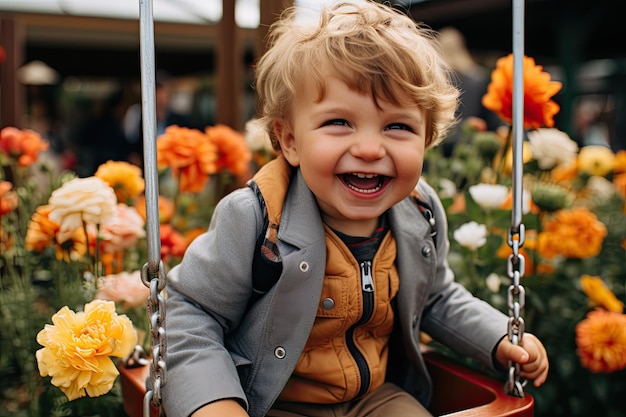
343,357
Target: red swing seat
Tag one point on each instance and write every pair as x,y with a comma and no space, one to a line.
459,391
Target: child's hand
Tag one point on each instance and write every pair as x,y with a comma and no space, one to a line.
530,354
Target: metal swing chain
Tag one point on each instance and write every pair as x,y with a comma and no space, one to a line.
516,298
153,272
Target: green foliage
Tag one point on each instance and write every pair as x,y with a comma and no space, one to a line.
555,302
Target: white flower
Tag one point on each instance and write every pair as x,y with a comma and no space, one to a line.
257,137
526,200
493,282
447,188
552,147
489,196
471,235
89,200
600,189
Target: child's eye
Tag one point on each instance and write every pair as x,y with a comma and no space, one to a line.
336,122
399,126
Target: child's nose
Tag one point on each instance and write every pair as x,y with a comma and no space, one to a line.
368,147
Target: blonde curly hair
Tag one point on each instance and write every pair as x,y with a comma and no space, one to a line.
371,47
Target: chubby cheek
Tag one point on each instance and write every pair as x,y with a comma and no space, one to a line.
409,166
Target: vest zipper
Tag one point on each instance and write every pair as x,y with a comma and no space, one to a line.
367,287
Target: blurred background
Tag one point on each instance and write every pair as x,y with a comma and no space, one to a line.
70,69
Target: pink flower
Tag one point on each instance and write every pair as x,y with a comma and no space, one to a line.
125,288
122,231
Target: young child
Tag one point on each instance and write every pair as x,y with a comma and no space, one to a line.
350,103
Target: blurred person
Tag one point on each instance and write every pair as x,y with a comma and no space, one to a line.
101,137
471,79
165,116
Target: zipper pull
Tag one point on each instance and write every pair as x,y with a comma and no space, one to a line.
367,282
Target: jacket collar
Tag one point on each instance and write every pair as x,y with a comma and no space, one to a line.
291,204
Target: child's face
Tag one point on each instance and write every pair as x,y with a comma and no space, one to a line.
358,159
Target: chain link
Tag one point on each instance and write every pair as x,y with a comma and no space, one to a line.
155,310
516,300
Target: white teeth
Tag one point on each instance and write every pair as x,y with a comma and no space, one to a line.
359,175
364,191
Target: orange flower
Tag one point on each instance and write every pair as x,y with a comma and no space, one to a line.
22,145
8,198
619,181
232,149
598,293
601,341
193,233
189,154
564,172
575,233
173,244
504,251
539,109
620,162
123,177
41,230
166,208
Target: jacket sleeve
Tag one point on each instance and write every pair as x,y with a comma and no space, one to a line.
453,316
206,295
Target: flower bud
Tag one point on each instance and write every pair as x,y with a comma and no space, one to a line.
551,197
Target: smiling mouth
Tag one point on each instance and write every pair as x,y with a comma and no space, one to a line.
365,183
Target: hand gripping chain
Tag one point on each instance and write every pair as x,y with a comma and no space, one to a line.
516,300
515,267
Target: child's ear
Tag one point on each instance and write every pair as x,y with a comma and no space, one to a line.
287,141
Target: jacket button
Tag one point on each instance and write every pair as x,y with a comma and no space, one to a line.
328,303
426,251
304,266
280,352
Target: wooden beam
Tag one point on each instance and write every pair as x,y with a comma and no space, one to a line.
11,92
270,11
229,70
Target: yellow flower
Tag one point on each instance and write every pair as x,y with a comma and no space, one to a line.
539,109
598,293
601,341
596,160
507,164
81,200
123,177
575,233
78,346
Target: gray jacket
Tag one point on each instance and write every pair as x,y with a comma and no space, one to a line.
218,347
